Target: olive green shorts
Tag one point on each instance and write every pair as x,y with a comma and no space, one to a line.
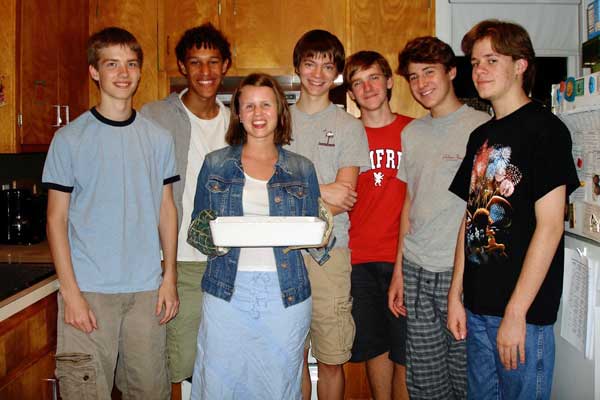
182,330
332,327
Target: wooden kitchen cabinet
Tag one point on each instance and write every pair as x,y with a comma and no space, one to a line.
386,26
27,347
180,16
44,70
263,33
144,19
53,68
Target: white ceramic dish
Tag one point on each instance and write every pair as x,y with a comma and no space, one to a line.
267,231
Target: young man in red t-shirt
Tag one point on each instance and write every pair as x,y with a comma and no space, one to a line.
374,228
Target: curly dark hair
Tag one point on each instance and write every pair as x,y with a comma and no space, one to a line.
203,36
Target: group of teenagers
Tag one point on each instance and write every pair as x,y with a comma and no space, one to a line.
443,270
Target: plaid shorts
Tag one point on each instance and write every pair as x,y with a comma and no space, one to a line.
436,363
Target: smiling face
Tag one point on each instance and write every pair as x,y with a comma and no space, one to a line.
496,76
431,85
204,69
258,112
317,75
118,73
368,87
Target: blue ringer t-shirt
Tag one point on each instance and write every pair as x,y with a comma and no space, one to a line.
115,172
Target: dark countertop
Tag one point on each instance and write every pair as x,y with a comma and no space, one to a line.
18,277
24,270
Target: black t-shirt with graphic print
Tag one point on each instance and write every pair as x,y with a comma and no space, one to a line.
509,164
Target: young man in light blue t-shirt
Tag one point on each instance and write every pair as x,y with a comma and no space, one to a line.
109,176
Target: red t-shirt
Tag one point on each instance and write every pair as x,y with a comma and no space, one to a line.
375,218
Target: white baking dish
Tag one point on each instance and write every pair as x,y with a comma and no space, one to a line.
267,231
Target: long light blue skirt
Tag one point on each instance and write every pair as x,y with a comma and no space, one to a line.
251,347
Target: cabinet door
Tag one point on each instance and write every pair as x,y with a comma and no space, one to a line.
263,32
9,77
53,68
386,26
180,16
33,383
140,17
27,347
73,90
39,71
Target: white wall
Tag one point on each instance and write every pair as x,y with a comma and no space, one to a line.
555,26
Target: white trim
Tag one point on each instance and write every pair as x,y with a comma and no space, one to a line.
20,302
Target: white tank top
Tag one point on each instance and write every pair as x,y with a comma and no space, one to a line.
255,202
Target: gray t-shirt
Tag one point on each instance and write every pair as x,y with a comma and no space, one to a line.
432,150
331,139
115,172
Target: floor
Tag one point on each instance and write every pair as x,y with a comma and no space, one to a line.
186,387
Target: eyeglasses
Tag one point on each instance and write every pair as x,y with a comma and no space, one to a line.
373,78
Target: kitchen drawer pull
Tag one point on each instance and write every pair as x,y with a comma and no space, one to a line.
67,116
58,119
54,388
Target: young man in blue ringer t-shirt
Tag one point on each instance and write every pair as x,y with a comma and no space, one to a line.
110,210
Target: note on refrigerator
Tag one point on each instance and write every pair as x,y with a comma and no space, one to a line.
575,299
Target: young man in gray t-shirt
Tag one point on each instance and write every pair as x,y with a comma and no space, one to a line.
336,143
432,149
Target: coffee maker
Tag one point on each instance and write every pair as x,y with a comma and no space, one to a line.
22,215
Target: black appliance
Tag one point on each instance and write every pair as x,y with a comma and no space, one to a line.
22,216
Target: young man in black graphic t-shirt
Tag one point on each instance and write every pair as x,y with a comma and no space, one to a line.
515,177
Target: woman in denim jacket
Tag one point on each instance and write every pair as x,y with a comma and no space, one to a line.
257,305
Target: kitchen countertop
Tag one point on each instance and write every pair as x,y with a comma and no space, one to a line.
18,254
13,257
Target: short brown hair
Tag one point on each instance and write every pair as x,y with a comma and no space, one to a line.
426,50
319,42
236,134
508,39
362,60
109,37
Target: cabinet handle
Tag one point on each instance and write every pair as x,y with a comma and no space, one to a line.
67,117
54,388
58,119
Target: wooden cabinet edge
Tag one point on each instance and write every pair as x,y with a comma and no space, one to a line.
45,310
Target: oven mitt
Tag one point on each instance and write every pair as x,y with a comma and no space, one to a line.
326,215
200,237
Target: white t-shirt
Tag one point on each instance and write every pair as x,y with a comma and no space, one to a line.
255,201
207,135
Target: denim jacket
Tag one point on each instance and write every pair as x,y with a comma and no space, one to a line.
293,191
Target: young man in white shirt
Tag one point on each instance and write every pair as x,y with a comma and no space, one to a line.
198,122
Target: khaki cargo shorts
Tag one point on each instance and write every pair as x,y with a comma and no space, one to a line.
128,339
332,327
